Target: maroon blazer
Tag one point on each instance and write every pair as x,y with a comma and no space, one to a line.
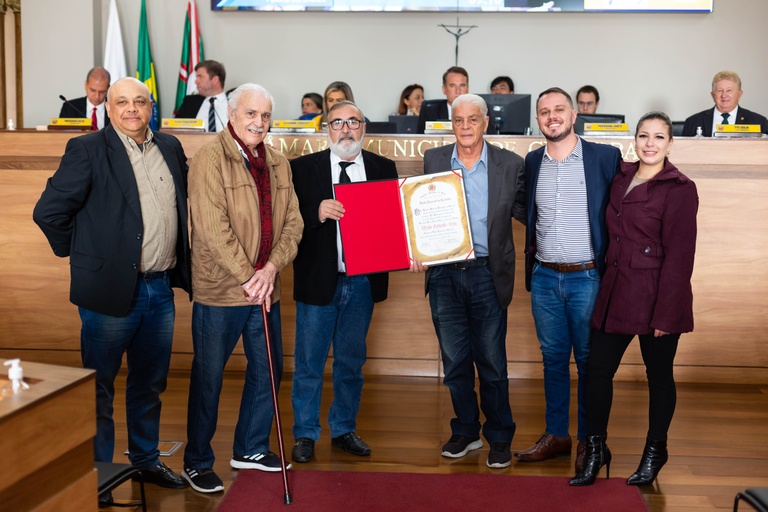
652,241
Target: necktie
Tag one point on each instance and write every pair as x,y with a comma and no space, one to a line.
725,118
94,121
212,116
344,177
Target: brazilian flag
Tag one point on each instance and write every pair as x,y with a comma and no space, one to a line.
145,70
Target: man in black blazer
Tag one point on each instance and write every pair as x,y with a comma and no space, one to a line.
92,105
469,299
117,207
726,91
455,83
331,307
210,102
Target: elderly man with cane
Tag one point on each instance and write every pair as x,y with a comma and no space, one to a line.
246,228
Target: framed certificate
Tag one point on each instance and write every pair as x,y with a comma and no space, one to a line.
388,223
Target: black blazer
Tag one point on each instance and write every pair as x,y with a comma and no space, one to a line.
315,268
90,211
77,108
190,106
706,117
506,200
432,110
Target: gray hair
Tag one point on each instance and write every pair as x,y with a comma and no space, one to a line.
472,99
345,103
234,97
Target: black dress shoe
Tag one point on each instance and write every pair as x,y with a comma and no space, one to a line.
351,443
160,474
303,450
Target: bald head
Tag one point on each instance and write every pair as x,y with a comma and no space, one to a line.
130,108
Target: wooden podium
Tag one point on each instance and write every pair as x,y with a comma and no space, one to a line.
46,439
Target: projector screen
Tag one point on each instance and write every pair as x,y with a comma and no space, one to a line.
467,5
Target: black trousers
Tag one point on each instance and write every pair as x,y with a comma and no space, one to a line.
604,358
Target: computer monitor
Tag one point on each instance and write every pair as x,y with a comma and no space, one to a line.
583,119
405,124
509,113
377,127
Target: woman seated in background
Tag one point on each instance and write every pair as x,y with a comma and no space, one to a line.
645,292
311,106
410,101
334,93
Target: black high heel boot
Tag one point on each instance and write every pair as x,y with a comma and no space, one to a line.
654,457
596,455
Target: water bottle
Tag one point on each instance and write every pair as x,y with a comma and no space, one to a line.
11,125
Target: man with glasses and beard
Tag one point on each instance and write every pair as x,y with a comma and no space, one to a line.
331,307
567,183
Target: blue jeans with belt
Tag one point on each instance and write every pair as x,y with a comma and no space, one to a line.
471,328
343,323
215,332
562,304
145,335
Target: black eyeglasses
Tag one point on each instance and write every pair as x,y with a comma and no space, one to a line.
338,124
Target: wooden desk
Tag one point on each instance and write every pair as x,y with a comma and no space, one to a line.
730,279
46,438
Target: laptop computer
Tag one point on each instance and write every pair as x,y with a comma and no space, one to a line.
405,124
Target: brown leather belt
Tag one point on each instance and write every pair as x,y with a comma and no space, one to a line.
568,267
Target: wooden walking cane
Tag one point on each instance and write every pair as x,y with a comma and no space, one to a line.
276,406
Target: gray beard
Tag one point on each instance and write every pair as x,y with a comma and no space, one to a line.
349,151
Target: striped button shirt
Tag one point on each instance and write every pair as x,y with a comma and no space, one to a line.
562,219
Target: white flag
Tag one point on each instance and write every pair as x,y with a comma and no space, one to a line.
114,54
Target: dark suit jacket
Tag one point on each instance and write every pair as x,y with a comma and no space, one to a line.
601,163
432,110
189,107
315,268
90,211
77,107
506,199
706,117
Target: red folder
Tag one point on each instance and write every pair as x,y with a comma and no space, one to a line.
373,228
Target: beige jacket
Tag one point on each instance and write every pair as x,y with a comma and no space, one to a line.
225,223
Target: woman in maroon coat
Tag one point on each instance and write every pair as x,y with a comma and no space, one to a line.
645,292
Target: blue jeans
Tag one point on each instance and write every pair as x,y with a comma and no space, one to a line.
344,323
471,328
215,332
145,335
562,305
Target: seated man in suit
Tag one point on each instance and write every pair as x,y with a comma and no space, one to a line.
502,85
587,99
455,83
92,105
210,102
726,91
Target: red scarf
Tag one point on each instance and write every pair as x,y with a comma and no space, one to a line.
260,172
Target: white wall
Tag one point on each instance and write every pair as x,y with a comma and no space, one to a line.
639,62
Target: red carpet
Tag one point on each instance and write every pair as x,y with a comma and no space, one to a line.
326,491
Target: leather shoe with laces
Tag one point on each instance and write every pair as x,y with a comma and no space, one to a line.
160,474
546,447
351,443
303,450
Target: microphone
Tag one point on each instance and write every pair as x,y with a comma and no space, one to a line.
223,124
65,100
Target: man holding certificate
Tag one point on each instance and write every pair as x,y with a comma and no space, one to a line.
469,299
332,308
